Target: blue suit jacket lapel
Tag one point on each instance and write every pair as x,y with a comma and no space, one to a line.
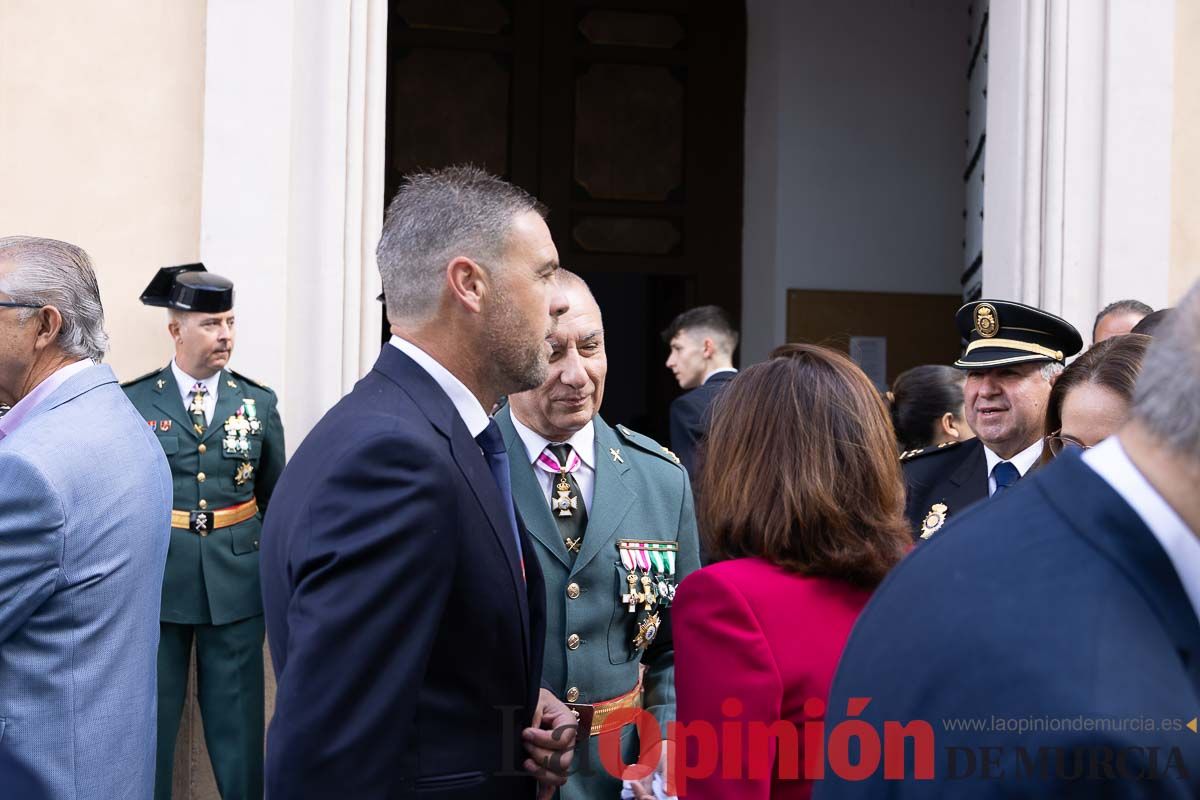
1108,522
426,393
611,497
527,492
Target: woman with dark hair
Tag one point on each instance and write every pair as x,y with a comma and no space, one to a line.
802,504
926,404
1091,398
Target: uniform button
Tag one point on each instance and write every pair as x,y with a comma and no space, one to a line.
200,477
573,591
204,504
572,694
256,544
203,449
573,641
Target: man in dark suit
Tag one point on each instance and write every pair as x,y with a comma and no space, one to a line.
1056,651
405,610
1013,354
702,342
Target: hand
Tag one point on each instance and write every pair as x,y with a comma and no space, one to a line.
550,742
643,788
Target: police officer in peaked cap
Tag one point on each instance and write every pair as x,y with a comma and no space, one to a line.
1013,354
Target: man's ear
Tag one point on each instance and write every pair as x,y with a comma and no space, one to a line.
710,347
173,328
49,322
469,283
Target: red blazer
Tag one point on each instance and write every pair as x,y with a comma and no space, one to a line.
771,639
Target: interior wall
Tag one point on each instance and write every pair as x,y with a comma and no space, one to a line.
101,143
855,131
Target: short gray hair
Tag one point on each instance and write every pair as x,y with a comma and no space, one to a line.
1051,370
1164,400
435,217
53,273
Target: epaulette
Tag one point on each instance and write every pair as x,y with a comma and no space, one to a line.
141,378
909,455
643,442
251,381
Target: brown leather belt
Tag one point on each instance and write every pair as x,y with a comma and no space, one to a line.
205,522
597,715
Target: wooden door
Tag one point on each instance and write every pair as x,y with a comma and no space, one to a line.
624,118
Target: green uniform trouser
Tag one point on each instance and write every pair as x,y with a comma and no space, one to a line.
229,668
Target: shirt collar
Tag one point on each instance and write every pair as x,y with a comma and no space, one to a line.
467,404
708,375
1023,460
1112,463
26,405
583,441
185,382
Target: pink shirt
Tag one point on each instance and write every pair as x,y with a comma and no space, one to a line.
12,420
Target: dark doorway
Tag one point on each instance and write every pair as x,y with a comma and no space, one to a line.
624,118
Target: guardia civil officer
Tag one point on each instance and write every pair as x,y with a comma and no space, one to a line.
223,437
1013,354
614,530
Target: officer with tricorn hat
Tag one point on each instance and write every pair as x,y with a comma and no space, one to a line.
1013,354
223,437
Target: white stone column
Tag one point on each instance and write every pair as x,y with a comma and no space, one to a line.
1078,191
293,190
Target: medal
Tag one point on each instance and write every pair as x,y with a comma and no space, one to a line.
564,503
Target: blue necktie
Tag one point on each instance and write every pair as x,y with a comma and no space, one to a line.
492,444
1005,474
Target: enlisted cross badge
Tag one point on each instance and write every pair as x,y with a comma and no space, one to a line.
161,383
231,384
615,452
934,520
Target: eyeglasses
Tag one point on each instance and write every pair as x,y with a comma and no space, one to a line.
10,304
1058,442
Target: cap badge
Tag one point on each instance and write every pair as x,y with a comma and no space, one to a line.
987,321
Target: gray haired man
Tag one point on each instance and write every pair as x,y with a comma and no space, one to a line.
85,503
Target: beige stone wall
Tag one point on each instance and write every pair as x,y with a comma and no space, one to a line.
1185,151
101,143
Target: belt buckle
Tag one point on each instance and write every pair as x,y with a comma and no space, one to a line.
200,522
583,714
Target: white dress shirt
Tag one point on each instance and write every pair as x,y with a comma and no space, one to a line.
1023,461
212,383
1112,463
583,443
468,406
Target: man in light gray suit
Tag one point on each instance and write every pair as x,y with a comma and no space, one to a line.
85,507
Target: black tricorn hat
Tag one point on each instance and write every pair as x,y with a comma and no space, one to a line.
189,287
1001,332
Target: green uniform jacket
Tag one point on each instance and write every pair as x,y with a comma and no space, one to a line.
640,493
213,579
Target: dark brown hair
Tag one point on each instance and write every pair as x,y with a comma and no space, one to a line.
802,470
1113,364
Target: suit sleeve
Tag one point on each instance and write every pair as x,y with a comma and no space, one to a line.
32,519
659,680
723,654
683,434
270,464
362,618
